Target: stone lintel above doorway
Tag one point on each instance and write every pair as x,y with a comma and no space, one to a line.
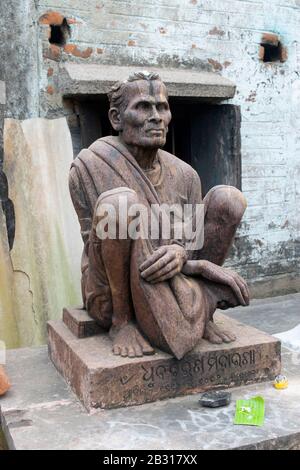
92,79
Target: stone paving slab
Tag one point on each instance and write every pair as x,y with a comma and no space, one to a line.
40,412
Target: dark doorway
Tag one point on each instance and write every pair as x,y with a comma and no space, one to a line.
207,136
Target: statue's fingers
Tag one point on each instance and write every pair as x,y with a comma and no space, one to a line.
243,288
164,270
165,277
154,257
243,283
157,265
246,288
237,291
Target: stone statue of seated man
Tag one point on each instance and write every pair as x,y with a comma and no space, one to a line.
151,292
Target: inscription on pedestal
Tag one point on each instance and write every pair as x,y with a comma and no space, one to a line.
193,372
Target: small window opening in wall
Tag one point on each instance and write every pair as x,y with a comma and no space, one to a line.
60,33
271,48
271,53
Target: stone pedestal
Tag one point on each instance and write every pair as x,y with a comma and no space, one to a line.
82,353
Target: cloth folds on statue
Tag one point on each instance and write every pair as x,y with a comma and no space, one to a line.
170,313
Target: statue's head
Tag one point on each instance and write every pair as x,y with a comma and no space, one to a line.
139,110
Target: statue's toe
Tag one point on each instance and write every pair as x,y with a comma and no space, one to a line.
214,334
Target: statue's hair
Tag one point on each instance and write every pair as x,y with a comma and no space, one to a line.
116,93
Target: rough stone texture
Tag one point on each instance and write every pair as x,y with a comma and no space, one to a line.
39,412
19,68
83,79
8,321
103,380
42,271
80,323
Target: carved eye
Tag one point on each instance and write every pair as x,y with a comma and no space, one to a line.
143,105
162,107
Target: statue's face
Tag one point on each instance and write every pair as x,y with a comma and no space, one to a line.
145,120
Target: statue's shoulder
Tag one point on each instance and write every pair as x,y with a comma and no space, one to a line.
175,163
93,152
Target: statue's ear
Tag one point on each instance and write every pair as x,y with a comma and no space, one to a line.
115,119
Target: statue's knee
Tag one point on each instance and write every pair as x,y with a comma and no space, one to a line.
227,202
115,197
114,203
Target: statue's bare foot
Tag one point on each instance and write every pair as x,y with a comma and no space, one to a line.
128,342
214,334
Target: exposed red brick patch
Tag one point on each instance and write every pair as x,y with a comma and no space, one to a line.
131,42
193,2
76,52
162,30
51,17
261,52
270,38
73,21
56,18
53,52
99,50
216,32
50,72
226,64
50,90
283,54
216,65
194,46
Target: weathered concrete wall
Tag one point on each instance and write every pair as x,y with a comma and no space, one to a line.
223,35
41,273
19,65
220,35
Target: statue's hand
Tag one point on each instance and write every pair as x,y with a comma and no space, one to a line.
164,263
220,275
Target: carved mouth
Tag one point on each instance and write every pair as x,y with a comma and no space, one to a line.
155,131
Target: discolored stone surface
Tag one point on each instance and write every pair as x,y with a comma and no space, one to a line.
41,274
80,323
102,380
94,79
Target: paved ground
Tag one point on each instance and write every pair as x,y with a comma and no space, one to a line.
41,405
272,315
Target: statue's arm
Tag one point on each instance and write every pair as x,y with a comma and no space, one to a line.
80,205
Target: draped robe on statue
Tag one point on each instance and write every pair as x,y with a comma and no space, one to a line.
171,314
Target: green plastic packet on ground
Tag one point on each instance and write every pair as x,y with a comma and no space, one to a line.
250,412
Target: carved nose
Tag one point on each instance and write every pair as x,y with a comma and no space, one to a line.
155,116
